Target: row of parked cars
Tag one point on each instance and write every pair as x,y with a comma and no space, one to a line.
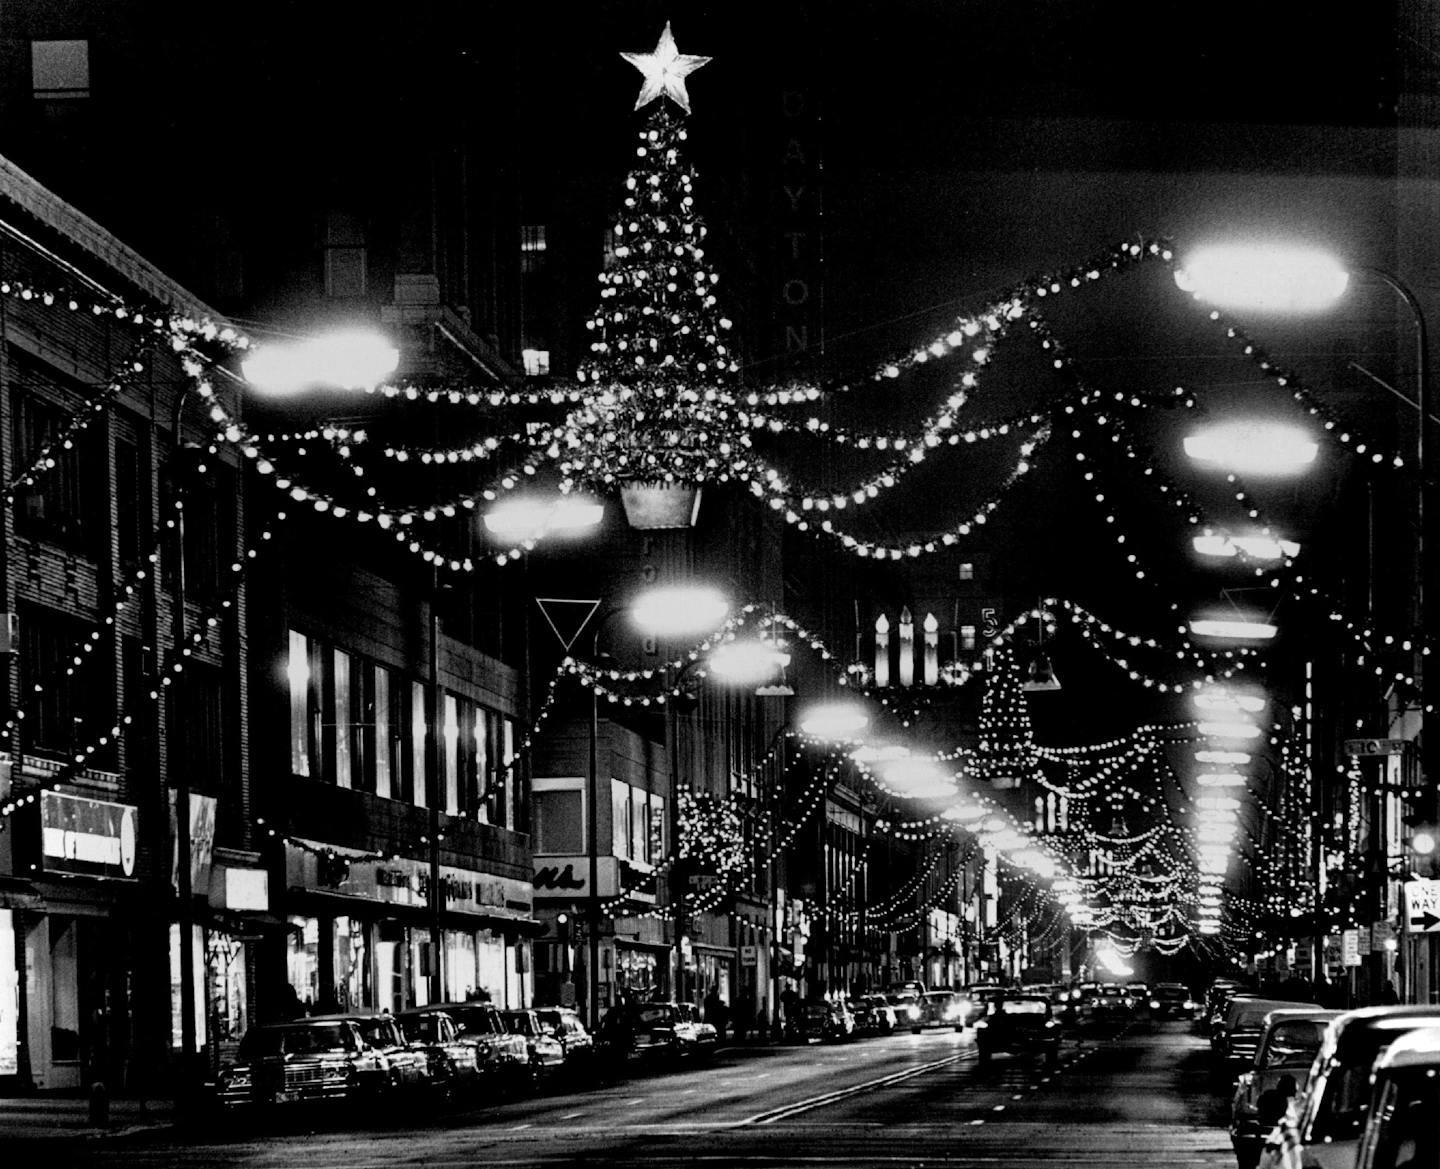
1328,1089
446,1052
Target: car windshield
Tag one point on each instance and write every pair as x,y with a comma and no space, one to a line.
381,1033
307,1040
520,1022
1341,1114
421,1028
1169,992
1294,1044
1112,992
655,1015
477,1020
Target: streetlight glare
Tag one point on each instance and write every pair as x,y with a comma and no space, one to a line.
353,359
1235,758
1423,843
1226,701
1220,779
834,721
1233,628
1255,547
530,518
918,777
748,662
679,610
1253,447
879,753
1268,277
1230,730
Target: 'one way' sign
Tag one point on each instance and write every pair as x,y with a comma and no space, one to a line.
1422,906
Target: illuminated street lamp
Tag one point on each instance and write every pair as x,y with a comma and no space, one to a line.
1220,779
1259,546
1234,758
354,359
679,610
1236,628
1229,730
1268,277
1222,700
1253,447
834,721
530,518
748,662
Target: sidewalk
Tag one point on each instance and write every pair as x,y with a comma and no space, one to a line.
68,1114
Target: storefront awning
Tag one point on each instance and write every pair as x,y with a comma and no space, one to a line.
16,893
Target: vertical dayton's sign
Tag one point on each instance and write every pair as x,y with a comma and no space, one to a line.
800,246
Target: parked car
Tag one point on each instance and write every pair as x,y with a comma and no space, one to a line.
546,1055
304,1061
1279,1070
1401,1128
499,1054
576,1042
409,1064
1171,1000
1324,1123
825,1021
647,1031
1212,1004
1241,1031
1020,1023
874,1015
454,1065
941,1008
1139,995
702,1035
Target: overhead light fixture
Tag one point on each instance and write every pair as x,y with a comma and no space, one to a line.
531,518
353,359
1255,547
965,812
679,610
879,753
1209,755
1220,779
1253,447
834,721
1226,701
747,661
1230,730
1270,277
1234,628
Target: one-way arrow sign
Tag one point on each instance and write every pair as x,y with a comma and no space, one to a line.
1422,906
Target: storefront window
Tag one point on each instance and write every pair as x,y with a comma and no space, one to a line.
509,775
417,744
197,976
420,966
302,959
657,829
229,1011
559,822
461,970
392,954
491,965
352,964
639,824
9,997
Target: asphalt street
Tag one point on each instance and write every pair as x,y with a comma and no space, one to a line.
1138,1098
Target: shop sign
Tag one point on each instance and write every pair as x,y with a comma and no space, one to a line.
567,878
85,837
749,955
406,881
202,841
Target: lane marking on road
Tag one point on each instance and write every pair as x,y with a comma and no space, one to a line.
977,1123
844,1093
518,1127
635,1100
998,1108
571,1115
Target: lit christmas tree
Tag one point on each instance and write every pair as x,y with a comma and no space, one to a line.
1006,750
658,403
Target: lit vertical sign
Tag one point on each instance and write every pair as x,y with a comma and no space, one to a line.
799,298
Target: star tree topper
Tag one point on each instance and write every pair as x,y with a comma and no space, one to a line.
665,71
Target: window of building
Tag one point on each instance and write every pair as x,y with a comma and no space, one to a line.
342,722
967,637
382,734
197,726
619,817
297,670
537,362
56,506
557,815
639,825
512,777
132,504
418,793
659,831
532,248
60,69
62,711
967,570
345,256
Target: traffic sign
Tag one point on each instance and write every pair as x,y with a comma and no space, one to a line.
1422,906
1375,746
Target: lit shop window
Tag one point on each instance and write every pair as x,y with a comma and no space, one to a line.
537,362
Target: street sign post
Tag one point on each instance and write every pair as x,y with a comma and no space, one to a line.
1422,906
1375,746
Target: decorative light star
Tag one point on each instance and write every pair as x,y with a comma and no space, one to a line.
665,71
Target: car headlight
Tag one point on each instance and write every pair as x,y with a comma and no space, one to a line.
913,1012
979,1023
952,1012
1154,1004
1191,1004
